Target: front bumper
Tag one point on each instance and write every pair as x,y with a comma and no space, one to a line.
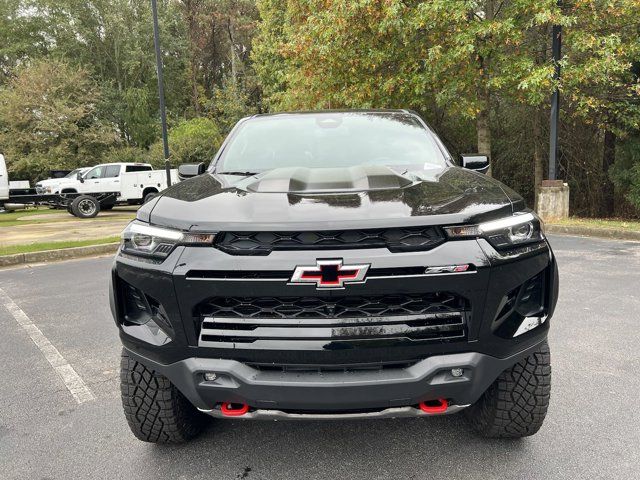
329,375
279,394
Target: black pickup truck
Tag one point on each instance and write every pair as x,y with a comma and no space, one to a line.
334,265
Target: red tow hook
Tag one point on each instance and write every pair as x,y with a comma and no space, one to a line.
434,406
230,410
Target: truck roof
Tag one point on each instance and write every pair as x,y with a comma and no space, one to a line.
122,163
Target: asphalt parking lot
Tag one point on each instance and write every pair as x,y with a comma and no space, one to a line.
592,429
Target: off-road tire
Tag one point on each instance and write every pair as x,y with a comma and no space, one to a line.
85,206
515,405
155,410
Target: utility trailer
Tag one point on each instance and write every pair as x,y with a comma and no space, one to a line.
81,205
99,188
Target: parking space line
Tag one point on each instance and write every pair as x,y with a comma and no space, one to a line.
74,383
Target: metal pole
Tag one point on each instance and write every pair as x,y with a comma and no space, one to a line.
163,113
555,102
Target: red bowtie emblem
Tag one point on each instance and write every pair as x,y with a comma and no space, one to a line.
329,274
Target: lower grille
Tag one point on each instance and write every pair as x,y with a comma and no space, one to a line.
331,307
232,322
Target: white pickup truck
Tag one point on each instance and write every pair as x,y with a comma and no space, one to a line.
135,182
97,188
4,179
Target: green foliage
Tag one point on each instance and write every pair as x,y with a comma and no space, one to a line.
598,78
267,52
229,104
480,72
625,173
124,154
367,53
191,141
48,119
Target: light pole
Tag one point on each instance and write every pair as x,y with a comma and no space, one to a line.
556,47
163,113
552,197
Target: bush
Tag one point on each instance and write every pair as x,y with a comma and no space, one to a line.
125,154
191,141
625,173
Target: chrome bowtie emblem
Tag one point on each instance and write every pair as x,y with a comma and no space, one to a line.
329,274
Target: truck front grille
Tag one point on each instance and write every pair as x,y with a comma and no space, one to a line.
236,321
400,239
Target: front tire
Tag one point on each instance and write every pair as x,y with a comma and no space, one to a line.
515,405
155,409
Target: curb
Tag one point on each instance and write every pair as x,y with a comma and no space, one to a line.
609,233
61,254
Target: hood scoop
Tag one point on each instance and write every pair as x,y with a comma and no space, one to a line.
328,180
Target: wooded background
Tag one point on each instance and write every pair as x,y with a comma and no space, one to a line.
78,81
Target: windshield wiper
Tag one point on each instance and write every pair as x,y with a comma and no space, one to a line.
246,174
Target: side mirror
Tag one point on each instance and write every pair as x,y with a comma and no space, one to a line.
189,170
80,177
475,161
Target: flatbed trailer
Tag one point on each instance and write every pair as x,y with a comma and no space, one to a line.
81,205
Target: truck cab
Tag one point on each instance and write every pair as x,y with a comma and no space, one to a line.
101,178
106,177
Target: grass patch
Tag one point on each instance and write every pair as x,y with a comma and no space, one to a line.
12,216
612,224
39,247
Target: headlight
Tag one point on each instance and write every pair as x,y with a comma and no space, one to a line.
147,241
505,233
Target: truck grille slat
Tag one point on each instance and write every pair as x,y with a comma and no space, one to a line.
331,307
230,322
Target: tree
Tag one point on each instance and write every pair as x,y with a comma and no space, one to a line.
113,41
219,34
191,141
599,81
21,37
363,53
48,120
269,62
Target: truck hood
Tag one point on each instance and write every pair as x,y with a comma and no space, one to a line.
50,181
58,183
333,198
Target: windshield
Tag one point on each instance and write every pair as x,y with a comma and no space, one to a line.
325,140
73,173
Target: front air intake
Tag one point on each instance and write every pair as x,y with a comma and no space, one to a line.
293,322
400,239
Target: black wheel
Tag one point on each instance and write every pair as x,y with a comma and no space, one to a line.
515,405
85,206
68,207
156,411
149,196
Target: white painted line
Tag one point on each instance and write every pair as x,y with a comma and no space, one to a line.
70,377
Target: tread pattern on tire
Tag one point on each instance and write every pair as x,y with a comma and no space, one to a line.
155,409
515,405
